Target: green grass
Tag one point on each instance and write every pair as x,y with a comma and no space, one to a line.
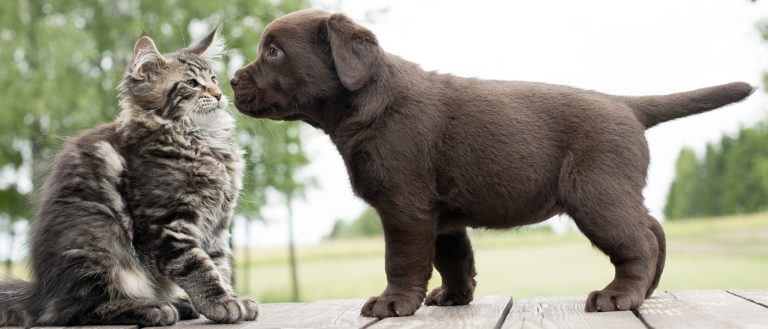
728,252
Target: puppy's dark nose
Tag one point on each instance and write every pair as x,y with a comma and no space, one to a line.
234,81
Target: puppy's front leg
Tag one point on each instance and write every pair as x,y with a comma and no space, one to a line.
410,243
455,261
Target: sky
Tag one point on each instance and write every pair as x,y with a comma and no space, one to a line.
628,47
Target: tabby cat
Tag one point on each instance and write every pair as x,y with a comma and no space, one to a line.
136,208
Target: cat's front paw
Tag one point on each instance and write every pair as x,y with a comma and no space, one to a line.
230,309
154,314
251,308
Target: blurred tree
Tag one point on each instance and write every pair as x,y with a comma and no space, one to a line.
367,224
338,229
61,61
711,188
732,178
683,199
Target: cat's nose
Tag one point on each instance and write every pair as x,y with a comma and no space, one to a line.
214,91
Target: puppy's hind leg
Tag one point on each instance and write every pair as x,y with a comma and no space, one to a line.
655,227
455,261
606,203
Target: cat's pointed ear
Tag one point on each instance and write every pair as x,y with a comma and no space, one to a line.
146,59
210,47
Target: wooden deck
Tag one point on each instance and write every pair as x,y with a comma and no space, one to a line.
699,309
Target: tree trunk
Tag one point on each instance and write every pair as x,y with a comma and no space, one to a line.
246,284
9,260
292,251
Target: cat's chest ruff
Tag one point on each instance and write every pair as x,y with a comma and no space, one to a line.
213,164
190,171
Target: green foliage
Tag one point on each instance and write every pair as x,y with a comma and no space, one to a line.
368,224
684,193
732,178
61,62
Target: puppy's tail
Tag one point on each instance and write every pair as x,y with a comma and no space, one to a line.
652,110
14,296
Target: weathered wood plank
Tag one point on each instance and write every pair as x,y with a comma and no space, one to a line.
565,312
483,312
702,309
321,314
759,296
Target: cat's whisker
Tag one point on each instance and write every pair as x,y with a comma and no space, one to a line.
181,33
232,110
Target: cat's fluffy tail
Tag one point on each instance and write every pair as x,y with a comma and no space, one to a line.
14,294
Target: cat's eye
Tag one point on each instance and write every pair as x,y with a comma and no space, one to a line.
273,52
213,78
192,83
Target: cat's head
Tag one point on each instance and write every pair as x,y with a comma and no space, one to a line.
175,85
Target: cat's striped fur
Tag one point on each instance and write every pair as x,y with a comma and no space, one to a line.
136,208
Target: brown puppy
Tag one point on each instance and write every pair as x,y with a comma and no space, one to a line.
435,153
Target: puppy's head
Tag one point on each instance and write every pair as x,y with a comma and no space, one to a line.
305,58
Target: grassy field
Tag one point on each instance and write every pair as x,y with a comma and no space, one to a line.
729,252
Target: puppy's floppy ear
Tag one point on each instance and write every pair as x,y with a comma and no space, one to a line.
146,59
354,49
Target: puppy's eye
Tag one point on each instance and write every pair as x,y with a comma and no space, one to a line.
192,83
273,52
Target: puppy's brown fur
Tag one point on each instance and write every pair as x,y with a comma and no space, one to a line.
435,153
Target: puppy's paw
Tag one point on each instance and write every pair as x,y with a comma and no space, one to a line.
185,309
229,309
391,305
156,314
445,297
608,300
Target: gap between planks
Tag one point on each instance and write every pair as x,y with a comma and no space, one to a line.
759,297
704,309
